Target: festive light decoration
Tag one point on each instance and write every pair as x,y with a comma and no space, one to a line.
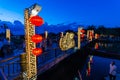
36,20
90,35
66,42
8,34
96,46
82,35
37,38
91,59
61,34
88,69
97,36
79,38
37,51
32,20
46,34
82,31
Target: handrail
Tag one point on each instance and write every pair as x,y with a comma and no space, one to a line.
11,68
5,60
3,76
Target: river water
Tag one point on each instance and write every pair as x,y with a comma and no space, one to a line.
70,68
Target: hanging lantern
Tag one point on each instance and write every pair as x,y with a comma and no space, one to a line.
82,35
96,46
88,71
37,38
36,20
37,51
82,31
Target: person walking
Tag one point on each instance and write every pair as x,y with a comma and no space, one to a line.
112,72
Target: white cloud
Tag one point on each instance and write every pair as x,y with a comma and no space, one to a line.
6,15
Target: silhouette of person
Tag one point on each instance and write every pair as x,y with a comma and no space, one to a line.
112,72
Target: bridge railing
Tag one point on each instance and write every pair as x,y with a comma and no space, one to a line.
11,67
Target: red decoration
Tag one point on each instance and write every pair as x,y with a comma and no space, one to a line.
82,31
36,20
37,38
37,51
88,71
96,46
82,35
91,34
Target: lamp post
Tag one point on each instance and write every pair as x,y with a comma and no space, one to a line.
31,70
8,34
90,34
62,34
79,41
46,34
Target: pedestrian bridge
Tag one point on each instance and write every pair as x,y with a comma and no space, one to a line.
12,68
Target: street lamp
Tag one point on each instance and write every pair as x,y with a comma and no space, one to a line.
34,10
32,20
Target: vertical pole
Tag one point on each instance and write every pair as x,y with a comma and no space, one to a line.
46,34
31,59
92,36
79,37
88,34
61,34
95,36
8,34
46,40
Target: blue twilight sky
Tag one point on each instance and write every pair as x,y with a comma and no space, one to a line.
85,12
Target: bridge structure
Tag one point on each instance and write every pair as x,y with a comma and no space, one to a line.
14,68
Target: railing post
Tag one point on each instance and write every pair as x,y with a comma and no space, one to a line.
13,68
8,70
23,62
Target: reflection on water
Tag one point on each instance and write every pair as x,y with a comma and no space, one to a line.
110,47
97,69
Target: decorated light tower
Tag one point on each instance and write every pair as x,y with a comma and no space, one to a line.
80,34
46,34
90,35
8,34
79,29
31,20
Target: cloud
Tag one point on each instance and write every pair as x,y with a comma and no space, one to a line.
6,15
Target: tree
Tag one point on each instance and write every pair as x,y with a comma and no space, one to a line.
91,27
101,30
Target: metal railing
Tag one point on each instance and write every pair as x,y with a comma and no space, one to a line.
11,67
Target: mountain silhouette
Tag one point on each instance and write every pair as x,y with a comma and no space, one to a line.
17,27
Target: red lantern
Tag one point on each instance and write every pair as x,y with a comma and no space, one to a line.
36,20
82,31
91,34
37,51
88,71
96,46
82,35
37,38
